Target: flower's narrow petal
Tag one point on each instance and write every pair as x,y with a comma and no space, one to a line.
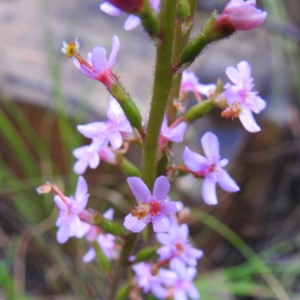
133,224
79,152
109,214
209,191
164,252
63,234
206,89
169,208
81,189
180,295
161,224
139,189
163,238
210,146
80,166
158,291
255,103
234,75
98,143
244,70
178,266
247,119
177,133
155,4
223,162
114,111
83,230
192,292
161,188
193,160
226,182
114,52
115,139
132,22
92,129
184,231
61,205
110,9
81,205
196,253
75,226
89,256
94,161
99,59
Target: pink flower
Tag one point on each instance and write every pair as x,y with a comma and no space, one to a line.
190,82
97,67
177,248
147,281
210,167
180,288
241,100
241,15
91,159
132,21
111,131
174,134
68,220
154,208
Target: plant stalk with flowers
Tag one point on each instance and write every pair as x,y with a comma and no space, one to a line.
165,268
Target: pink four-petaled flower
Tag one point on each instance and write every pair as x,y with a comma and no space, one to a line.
177,249
68,219
154,208
210,167
98,67
241,99
111,131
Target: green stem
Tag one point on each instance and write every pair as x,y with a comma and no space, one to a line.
162,85
122,264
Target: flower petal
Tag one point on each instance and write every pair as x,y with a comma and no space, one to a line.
209,191
99,59
80,166
139,189
226,182
63,234
210,146
193,160
161,224
89,256
60,203
81,189
248,121
132,22
114,52
161,188
133,224
110,9
91,130
115,139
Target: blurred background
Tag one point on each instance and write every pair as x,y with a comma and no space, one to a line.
251,239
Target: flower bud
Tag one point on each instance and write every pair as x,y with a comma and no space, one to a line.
240,15
145,254
198,110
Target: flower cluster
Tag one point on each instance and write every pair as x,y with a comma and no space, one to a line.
170,266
